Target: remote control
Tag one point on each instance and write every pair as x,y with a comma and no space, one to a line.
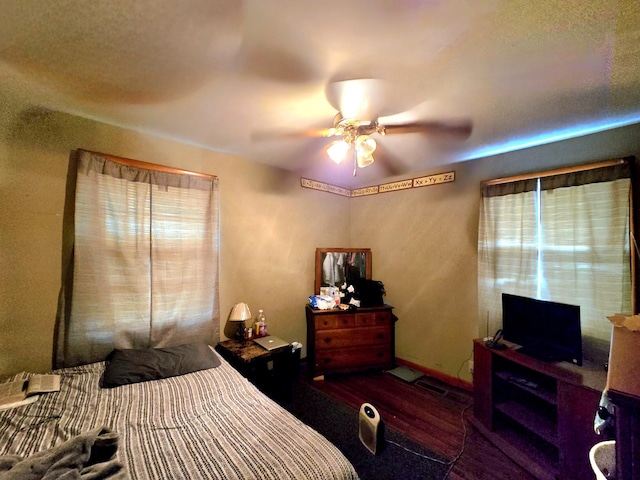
523,381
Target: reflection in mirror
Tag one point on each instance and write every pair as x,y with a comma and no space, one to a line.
338,267
334,266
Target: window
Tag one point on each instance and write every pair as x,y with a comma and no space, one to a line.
562,237
145,260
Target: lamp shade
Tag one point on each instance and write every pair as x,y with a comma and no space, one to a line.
364,160
240,312
338,150
365,146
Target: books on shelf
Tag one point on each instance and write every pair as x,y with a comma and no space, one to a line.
23,391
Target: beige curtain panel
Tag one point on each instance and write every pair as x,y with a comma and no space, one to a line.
143,267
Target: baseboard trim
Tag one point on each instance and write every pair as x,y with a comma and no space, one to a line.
443,377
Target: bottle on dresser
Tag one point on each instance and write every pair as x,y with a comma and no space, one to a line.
260,324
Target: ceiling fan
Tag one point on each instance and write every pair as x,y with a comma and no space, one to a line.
363,104
356,136
363,113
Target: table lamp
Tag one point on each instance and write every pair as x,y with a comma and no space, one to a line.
239,313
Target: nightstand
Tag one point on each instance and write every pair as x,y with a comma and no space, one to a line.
272,371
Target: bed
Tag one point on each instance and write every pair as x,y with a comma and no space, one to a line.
210,423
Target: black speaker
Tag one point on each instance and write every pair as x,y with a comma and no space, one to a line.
371,429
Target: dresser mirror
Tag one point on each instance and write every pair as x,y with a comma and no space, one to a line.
335,265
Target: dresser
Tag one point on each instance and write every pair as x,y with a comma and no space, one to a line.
341,341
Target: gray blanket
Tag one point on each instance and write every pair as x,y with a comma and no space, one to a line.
88,456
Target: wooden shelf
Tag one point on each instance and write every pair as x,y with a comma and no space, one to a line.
545,395
530,419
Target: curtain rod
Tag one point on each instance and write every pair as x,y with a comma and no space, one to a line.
150,166
557,171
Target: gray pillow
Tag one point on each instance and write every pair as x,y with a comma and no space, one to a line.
143,364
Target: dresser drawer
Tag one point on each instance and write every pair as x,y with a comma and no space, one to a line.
341,320
372,319
352,337
346,358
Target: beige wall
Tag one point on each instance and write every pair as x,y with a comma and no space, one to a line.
423,240
269,227
424,246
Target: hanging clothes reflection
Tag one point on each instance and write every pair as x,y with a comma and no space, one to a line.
341,267
333,273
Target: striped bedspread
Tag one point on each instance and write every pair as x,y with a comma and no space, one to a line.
207,424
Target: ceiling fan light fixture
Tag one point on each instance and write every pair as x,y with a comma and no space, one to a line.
364,160
365,146
337,151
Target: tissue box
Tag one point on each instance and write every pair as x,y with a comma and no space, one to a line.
624,357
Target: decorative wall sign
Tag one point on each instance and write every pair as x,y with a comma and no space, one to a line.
383,188
434,179
324,187
361,192
391,187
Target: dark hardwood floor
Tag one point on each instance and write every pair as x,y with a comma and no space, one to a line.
438,421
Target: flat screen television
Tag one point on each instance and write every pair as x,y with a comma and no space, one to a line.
545,330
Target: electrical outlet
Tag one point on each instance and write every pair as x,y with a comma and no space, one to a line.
470,366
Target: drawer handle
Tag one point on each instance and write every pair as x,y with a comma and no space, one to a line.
327,340
326,323
327,360
380,335
380,354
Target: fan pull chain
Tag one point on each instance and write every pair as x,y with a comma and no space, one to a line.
355,161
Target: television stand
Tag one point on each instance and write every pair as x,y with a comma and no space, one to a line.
538,413
535,354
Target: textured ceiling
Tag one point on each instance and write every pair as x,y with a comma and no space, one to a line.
240,77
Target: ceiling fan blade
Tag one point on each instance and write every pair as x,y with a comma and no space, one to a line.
361,98
461,129
277,134
389,162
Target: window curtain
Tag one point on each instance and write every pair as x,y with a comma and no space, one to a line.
143,271
507,249
563,238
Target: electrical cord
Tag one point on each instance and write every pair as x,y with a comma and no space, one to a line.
464,441
462,365
452,462
464,424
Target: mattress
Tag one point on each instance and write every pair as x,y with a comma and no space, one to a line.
207,424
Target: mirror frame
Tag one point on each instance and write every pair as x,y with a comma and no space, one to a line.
321,251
